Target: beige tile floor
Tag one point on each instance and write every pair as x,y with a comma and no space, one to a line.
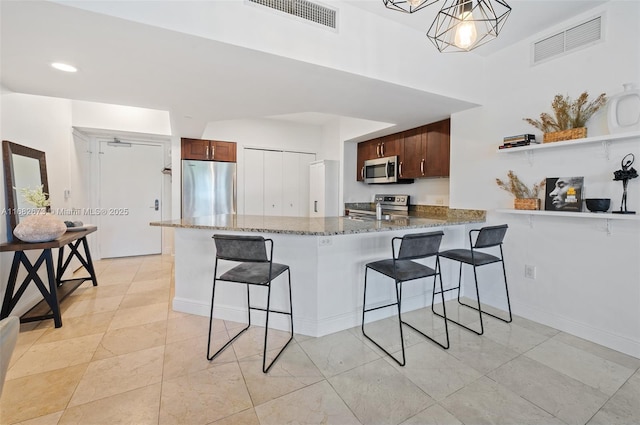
123,356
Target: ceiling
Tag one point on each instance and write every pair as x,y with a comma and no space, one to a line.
527,17
200,80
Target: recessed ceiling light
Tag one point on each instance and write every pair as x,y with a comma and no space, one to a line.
64,67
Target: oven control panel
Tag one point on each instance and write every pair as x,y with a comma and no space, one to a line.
397,200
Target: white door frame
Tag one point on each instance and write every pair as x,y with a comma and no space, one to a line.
94,137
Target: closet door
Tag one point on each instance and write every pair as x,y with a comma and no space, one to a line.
304,163
273,183
253,182
291,184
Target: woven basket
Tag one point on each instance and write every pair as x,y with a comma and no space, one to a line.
526,203
572,133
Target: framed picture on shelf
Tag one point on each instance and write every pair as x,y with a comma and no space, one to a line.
563,194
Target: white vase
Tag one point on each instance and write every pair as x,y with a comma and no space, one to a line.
40,227
624,110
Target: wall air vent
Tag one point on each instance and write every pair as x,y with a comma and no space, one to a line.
581,35
303,9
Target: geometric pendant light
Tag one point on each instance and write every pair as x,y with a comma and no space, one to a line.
408,6
463,25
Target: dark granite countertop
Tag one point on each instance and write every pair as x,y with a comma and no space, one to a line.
323,226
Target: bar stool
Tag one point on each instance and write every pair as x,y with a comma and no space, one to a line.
487,237
255,268
401,269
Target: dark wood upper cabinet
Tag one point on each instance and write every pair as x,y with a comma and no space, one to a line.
422,151
223,151
366,150
437,152
390,145
412,157
208,150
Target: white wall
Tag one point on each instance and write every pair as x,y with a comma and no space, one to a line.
587,281
121,118
386,50
264,134
42,123
46,124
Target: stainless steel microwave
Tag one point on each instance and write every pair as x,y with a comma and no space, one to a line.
382,170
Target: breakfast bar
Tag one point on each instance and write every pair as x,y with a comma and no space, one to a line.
326,256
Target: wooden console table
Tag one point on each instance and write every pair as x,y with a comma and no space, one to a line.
58,289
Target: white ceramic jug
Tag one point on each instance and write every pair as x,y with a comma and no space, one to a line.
624,110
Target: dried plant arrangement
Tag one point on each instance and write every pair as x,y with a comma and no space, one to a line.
568,113
36,197
518,189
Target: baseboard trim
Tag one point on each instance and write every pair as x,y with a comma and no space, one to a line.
565,324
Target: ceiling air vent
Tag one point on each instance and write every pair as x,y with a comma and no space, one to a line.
303,9
568,40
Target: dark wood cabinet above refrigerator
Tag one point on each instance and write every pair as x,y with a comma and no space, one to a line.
422,152
208,150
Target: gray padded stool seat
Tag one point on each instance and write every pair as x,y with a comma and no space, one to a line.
487,237
402,268
255,268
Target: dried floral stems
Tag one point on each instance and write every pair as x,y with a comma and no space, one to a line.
518,189
568,113
36,197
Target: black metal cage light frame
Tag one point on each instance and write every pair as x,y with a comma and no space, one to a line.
408,6
479,21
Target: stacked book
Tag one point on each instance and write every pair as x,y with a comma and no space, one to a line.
519,140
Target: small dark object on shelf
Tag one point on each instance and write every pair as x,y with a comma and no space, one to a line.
625,174
598,204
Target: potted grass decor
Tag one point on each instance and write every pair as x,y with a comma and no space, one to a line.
569,117
526,199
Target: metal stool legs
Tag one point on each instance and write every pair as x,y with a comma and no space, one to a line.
265,368
398,302
364,310
268,310
479,307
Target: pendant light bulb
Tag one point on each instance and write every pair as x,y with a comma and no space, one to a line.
414,3
466,33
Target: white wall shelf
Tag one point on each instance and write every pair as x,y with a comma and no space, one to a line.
600,216
606,216
605,140
575,142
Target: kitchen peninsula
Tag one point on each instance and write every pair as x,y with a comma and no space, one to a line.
327,258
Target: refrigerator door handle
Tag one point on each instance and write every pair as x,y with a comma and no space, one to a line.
315,206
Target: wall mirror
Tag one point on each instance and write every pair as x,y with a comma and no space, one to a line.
24,167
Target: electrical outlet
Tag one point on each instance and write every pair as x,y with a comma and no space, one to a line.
325,241
439,201
529,271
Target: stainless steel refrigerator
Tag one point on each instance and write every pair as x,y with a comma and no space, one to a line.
208,188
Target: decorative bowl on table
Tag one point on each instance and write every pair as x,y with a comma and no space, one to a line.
598,204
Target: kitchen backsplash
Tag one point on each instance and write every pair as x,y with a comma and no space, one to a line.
425,210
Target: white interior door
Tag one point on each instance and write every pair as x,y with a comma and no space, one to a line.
316,190
290,184
304,159
253,182
272,183
130,198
